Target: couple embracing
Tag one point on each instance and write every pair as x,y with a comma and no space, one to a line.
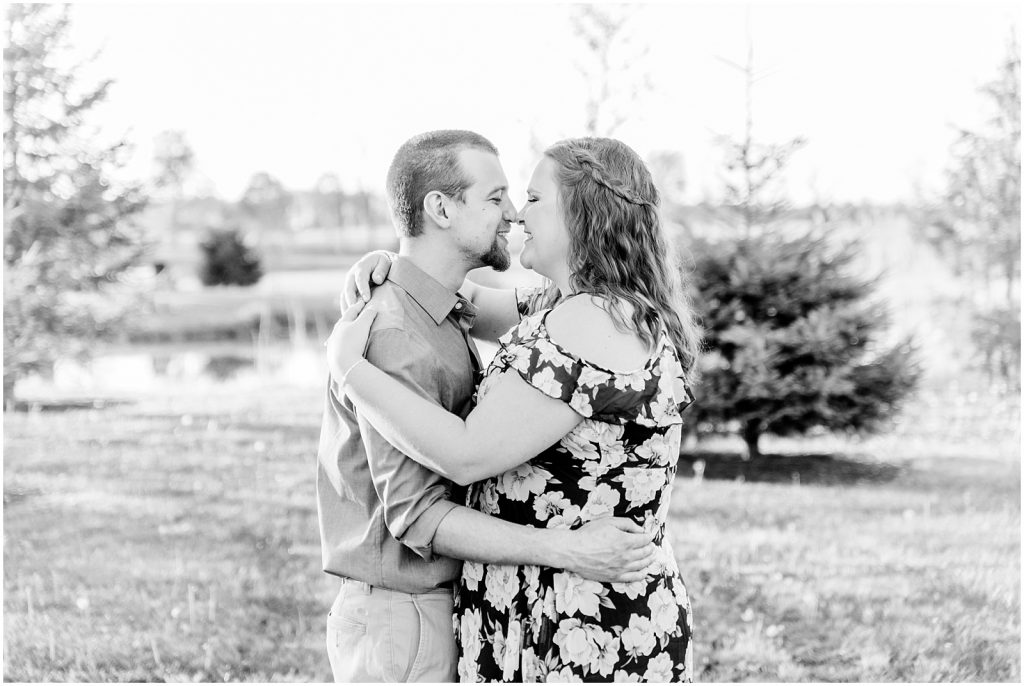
508,523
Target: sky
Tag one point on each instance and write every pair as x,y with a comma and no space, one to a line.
299,90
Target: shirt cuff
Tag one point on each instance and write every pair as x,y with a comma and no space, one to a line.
419,537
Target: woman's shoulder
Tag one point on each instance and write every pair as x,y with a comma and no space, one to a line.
575,352
584,327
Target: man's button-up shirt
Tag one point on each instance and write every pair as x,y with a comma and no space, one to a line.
379,509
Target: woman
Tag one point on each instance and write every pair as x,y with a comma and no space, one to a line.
561,435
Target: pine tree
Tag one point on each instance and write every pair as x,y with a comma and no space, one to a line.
174,160
752,172
612,63
792,341
67,238
977,223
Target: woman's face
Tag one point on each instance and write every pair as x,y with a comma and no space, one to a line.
546,248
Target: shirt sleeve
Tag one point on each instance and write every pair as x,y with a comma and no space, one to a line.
415,499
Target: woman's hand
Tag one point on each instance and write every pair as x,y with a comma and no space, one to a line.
347,342
371,269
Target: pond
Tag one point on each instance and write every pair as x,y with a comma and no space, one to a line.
149,369
146,369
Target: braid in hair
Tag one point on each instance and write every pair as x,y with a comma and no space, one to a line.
597,172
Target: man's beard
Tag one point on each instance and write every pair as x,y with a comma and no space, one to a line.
497,257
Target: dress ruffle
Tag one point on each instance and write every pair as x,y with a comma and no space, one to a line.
653,395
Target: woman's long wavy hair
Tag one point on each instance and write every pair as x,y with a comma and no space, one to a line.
617,246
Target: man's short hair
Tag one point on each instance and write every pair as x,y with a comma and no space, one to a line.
428,162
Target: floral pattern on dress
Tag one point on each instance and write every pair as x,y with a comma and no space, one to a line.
539,624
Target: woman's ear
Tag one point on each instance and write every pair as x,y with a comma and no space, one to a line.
437,207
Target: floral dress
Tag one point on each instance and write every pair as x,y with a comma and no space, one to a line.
529,623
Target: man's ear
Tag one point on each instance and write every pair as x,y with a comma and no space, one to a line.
437,207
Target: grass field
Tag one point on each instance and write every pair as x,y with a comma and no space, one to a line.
174,538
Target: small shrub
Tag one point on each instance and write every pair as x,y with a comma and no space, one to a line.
227,260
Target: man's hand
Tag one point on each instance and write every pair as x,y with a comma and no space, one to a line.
610,550
371,270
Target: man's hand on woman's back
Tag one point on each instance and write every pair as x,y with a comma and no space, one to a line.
610,550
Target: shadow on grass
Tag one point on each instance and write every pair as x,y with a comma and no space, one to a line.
818,469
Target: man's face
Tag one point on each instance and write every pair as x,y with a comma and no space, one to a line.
482,221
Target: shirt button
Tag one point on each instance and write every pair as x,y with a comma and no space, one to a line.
458,306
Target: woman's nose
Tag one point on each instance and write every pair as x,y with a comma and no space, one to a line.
509,212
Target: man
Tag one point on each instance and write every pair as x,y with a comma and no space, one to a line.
390,528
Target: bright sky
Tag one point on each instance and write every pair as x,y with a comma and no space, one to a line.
299,90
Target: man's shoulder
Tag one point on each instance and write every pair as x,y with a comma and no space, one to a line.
391,302
395,337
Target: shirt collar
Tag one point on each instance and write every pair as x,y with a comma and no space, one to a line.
428,293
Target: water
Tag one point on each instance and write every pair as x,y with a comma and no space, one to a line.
149,369
152,369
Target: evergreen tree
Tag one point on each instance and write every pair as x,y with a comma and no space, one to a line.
752,173
976,225
67,238
613,64
792,341
175,162
669,172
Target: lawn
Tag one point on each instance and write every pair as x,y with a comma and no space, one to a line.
174,538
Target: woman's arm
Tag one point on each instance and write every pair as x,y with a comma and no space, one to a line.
513,423
490,441
370,270
497,310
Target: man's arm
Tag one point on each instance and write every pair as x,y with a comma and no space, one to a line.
609,549
413,498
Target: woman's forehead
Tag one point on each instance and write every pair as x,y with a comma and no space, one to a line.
543,174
